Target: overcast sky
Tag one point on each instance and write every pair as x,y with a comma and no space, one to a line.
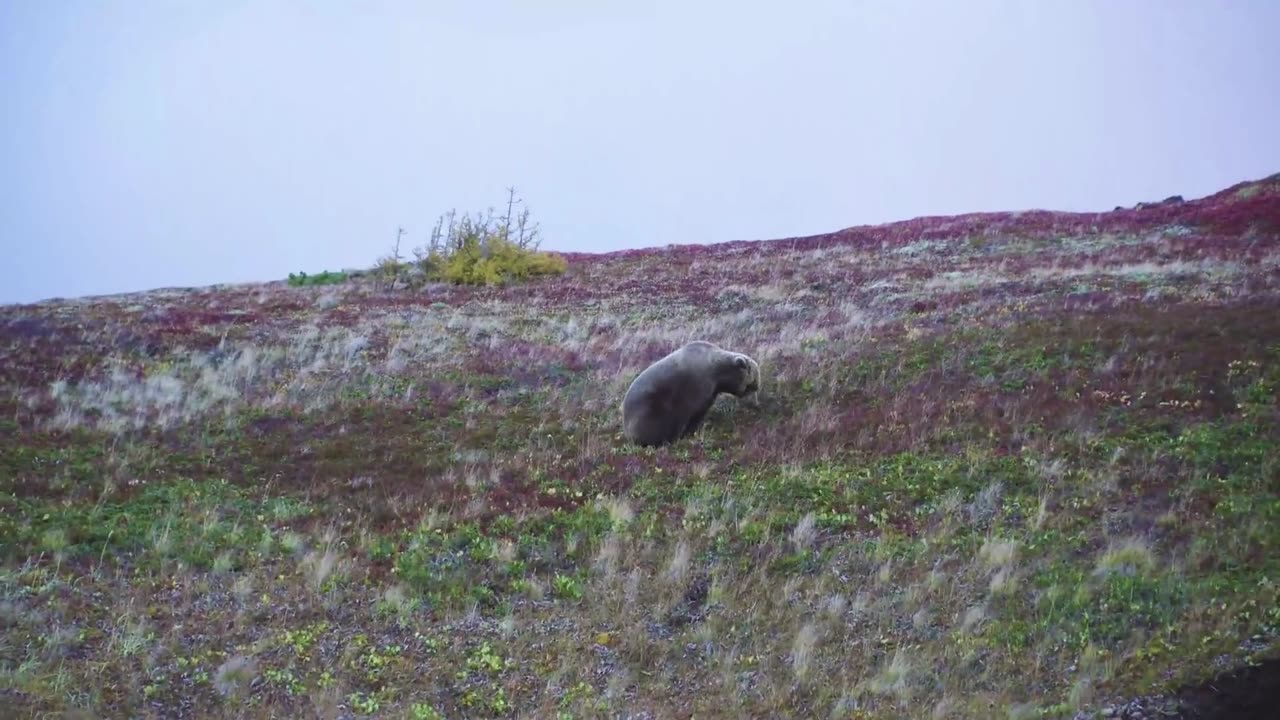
152,144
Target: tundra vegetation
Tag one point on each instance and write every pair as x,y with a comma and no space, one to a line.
1011,465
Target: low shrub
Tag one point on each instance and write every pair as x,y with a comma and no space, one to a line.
480,250
302,279
493,260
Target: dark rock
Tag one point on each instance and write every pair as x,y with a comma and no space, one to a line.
1242,694
1171,200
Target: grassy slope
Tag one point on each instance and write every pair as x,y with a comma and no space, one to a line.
1007,464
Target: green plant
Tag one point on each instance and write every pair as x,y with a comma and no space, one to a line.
423,711
285,679
484,658
566,586
364,703
302,279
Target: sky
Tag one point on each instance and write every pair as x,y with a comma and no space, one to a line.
151,143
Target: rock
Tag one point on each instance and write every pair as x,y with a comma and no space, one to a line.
1171,200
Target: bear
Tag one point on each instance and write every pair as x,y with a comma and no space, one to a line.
670,398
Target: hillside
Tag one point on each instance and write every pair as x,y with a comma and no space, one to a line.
1006,465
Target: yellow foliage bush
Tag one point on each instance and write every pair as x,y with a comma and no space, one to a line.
496,260
484,250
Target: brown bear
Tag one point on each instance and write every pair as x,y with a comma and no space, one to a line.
670,399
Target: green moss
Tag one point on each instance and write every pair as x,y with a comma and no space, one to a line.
194,522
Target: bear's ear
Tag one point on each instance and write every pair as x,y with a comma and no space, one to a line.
740,362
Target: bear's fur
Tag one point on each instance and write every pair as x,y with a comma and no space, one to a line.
671,397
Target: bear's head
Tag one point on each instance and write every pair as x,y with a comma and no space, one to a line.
746,385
